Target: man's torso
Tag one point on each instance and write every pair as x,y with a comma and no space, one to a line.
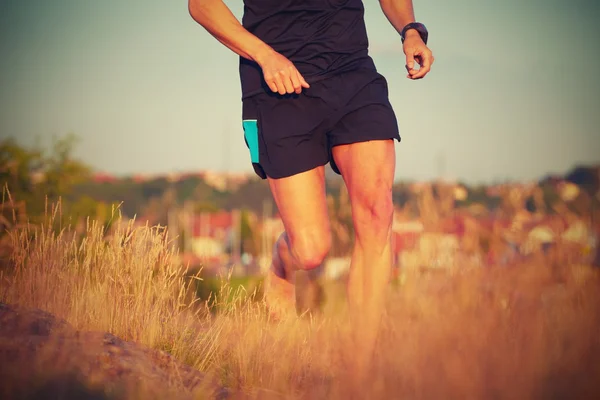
321,37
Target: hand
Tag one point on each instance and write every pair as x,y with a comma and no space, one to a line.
281,75
416,50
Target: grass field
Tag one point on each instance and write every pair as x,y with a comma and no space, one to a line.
523,332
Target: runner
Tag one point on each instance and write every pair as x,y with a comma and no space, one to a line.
311,95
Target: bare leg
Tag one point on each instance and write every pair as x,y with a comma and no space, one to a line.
368,171
302,205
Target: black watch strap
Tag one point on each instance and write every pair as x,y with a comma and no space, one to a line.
419,27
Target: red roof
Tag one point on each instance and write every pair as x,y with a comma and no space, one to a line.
453,226
402,241
212,224
102,177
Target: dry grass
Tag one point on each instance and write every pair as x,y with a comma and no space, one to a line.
522,332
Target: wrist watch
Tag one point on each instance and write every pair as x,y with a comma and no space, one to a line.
419,27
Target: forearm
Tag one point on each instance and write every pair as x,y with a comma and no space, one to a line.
398,12
220,22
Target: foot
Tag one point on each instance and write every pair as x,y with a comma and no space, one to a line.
280,290
280,296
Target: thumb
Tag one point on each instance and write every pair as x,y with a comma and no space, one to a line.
410,62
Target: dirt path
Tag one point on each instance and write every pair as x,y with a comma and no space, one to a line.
43,357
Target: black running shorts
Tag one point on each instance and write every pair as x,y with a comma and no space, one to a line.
290,134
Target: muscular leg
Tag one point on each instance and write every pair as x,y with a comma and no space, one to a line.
306,241
368,171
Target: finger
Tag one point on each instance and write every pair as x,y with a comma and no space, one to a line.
296,82
271,84
425,66
279,83
302,80
287,81
418,60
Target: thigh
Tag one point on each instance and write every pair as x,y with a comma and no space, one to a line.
301,201
367,168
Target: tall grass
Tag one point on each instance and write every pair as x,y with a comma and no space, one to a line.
127,283
522,332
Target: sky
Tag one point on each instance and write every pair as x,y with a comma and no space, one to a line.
514,92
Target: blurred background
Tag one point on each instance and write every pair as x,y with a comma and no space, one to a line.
131,110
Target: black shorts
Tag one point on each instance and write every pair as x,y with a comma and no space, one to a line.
290,134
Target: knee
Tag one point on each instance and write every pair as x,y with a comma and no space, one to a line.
311,248
374,209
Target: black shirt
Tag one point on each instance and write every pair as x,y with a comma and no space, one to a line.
321,37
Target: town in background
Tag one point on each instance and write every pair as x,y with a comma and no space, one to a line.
227,223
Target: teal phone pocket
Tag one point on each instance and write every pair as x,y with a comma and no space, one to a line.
251,136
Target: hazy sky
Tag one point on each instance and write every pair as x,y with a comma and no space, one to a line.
514,92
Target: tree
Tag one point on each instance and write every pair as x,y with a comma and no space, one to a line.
61,170
248,236
35,177
18,166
